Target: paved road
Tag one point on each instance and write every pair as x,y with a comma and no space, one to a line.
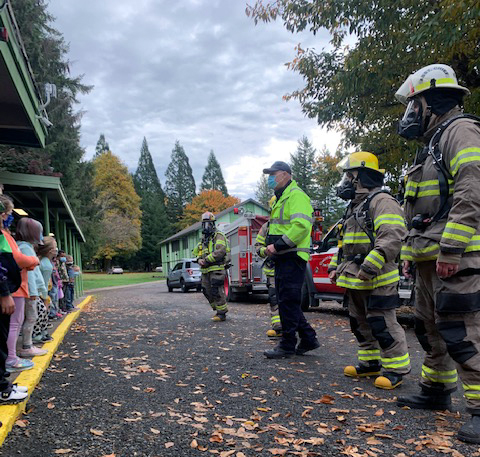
144,372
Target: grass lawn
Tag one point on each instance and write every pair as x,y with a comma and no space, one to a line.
97,280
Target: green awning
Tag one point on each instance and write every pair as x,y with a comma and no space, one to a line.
30,192
20,104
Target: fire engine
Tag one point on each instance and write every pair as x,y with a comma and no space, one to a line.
245,275
317,285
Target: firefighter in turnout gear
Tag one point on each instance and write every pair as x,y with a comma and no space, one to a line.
442,208
212,253
366,265
288,244
269,270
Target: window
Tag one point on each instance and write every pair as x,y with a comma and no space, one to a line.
178,266
176,245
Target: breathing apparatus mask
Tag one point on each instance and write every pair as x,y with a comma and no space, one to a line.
416,117
208,227
346,187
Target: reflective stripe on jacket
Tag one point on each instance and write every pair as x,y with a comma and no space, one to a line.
291,220
215,252
458,234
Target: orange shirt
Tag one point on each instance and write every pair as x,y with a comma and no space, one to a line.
24,262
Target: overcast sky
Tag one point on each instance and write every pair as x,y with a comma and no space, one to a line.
196,71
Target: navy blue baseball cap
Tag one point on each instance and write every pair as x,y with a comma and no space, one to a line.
278,166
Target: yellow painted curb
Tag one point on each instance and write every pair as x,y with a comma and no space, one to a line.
30,378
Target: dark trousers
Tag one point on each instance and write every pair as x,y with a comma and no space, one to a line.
289,277
4,327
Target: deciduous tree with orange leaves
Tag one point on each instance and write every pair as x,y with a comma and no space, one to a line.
208,200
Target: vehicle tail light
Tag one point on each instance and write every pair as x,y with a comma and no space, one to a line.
190,271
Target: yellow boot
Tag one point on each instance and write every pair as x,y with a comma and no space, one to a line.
388,381
219,318
274,333
362,371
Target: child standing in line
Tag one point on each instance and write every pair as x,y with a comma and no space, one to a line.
46,253
29,233
71,284
14,363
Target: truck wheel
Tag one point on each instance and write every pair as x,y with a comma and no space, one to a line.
199,288
229,293
305,303
170,288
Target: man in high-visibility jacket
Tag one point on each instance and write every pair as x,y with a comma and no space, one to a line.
288,243
442,208
371,238
212,253
269,270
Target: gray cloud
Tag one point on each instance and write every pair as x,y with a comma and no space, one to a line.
197,71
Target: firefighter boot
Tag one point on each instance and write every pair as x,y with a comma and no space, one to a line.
362,371
219,318
388,380
272,333
470,431
426,400
278,353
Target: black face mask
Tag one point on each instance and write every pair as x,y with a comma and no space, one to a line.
346,189
411,125
208,228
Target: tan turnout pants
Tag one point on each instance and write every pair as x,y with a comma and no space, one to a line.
447,325
380,337
214,290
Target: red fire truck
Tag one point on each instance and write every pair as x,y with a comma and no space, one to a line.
317,285
245,276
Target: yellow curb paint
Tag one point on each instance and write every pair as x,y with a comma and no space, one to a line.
30,378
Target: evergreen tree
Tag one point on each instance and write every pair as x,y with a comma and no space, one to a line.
102,145
302,163
263,193
155,224
180,184
326,177
146,178
213,177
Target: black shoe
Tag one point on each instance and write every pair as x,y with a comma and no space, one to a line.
426,400
278,353
470,431
47,337
302,347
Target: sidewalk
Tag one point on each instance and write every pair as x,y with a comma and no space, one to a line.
30,378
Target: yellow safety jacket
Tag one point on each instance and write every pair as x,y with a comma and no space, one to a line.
291,221
215,251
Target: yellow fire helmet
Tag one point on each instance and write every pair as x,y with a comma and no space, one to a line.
271,202
358,160
432,76
208,216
